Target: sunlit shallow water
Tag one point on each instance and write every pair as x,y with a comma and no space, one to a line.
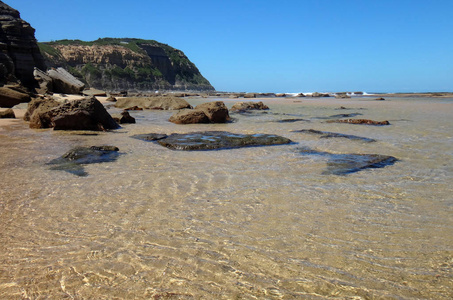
262,222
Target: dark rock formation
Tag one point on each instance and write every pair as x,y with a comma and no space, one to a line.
73,160
343,164
380,99
19,52
126,64
361,122
214,140
10,97
246,106
124,118
7,114
326,134
159,102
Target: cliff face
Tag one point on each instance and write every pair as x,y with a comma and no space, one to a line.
19,52
125,64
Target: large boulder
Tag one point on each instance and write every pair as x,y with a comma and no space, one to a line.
189,116
10,97
159,102
36,111
216,111
64,82
85,114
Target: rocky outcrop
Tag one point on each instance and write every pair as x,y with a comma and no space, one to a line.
159,102
126,64
19,51
10,97
361,122
246,106
214,140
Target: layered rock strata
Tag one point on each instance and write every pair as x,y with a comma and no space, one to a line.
19,51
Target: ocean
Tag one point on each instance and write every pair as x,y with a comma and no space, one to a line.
250,223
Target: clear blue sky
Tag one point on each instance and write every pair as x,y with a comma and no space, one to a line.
276,46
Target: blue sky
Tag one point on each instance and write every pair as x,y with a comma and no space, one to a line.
276,46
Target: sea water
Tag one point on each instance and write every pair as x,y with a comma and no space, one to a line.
251,223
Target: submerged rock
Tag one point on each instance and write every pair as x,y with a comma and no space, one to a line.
326,134
346,115
343,164
292,120
213,140
73,160
361,122
150,137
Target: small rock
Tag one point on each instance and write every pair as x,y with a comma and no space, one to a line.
124,118
7,114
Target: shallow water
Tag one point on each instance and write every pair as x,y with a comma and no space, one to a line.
262,222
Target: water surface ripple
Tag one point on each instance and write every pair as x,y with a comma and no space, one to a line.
242,223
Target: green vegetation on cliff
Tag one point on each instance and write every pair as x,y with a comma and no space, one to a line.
125,64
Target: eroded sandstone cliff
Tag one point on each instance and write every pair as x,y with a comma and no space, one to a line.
125,64
19,52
